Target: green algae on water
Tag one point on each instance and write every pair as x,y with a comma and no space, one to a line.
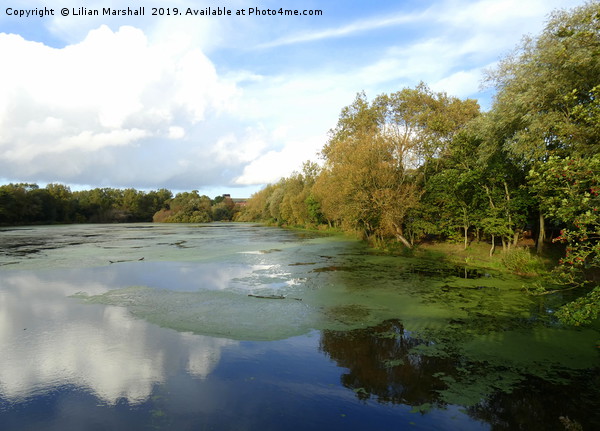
215,313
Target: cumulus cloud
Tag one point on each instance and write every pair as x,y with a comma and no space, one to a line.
276,164
113,89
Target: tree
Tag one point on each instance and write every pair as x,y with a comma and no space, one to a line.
22,203
429,120
547,101
509,202
224,210
547,85
152,202
367,185
63,200
454,195
569,189
189,207
257,207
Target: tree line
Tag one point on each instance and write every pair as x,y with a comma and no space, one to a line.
418,163
25,203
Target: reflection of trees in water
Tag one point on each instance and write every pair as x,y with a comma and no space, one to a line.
537,404
380,364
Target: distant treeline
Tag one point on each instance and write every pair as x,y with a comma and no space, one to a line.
56,203
418,163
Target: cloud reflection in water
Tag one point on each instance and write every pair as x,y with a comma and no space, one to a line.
49,341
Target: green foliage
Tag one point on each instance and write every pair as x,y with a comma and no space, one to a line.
191,207
495,226
257,207
520,260
224,209
569,189
25,202
547,99
56,203
547,116
290,202
314,210
582,311
369,183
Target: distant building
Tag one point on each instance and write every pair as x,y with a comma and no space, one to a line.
238,201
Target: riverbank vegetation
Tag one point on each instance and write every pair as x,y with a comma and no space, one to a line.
417,164
56,203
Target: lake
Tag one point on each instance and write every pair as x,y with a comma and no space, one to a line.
229,326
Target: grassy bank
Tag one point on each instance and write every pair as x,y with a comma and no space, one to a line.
521,260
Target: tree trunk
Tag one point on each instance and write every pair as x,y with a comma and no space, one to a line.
466,226
541,235
493,245
507,210
403,240
400,236
516,238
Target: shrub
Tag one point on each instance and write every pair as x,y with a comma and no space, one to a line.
521,261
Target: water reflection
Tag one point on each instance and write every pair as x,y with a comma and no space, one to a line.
194,276
381,364
385,363
48,342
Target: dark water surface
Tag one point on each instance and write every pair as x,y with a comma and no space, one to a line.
244,327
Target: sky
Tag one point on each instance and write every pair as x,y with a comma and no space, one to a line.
229,103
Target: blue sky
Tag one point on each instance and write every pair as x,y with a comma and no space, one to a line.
224,104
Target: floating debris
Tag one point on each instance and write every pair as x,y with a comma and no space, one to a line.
267,296
126,260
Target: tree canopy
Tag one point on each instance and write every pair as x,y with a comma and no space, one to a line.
25,203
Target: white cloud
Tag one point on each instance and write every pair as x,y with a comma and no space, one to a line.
112,89
236,149
271,166
91,141
462,83
359,26
176,132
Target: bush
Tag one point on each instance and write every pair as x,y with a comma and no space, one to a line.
521,261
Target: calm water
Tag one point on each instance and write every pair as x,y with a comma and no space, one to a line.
243,327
